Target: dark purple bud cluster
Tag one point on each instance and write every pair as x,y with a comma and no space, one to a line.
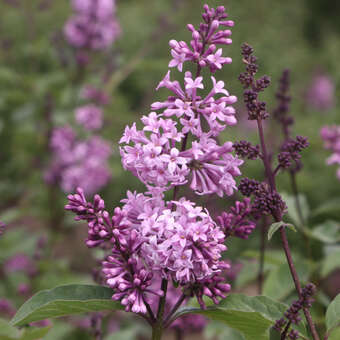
236,222
245,149
256,108
292,314
290,152
247,186
267,202
280,113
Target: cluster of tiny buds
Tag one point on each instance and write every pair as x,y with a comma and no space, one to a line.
280,113
256,108
266,201
292,313
245,149
237,221
290,152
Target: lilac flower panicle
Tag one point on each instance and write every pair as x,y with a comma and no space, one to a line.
90,116
321,92
202,49
183,244
93,25
149,240
95,95
78,162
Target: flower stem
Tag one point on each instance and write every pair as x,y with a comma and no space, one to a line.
157,329
174,309
260,277
285,244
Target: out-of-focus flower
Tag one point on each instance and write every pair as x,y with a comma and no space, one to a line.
89,116
93,25
78,162
331,137
321,93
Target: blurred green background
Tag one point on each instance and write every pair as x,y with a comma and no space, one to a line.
40,84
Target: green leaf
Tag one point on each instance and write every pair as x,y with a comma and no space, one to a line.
333,314
219,331
276,226
335,334
330,208
251,316
279,284
328,232
274,334
8,332
65,300
330,263
292,208
35,333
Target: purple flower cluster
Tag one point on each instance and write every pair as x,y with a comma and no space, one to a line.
95,95
290,153
152,242
78,162
265,201
236,222
321,92
6,308
331,137
89,116
177,240
93,25
292,314
27,266
202,50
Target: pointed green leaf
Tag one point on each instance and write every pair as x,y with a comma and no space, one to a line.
333,314
276,226
330,208
330,263
279,284
65,300
251,316
292,208
327,232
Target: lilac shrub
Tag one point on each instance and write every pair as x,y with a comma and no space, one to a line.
158,245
